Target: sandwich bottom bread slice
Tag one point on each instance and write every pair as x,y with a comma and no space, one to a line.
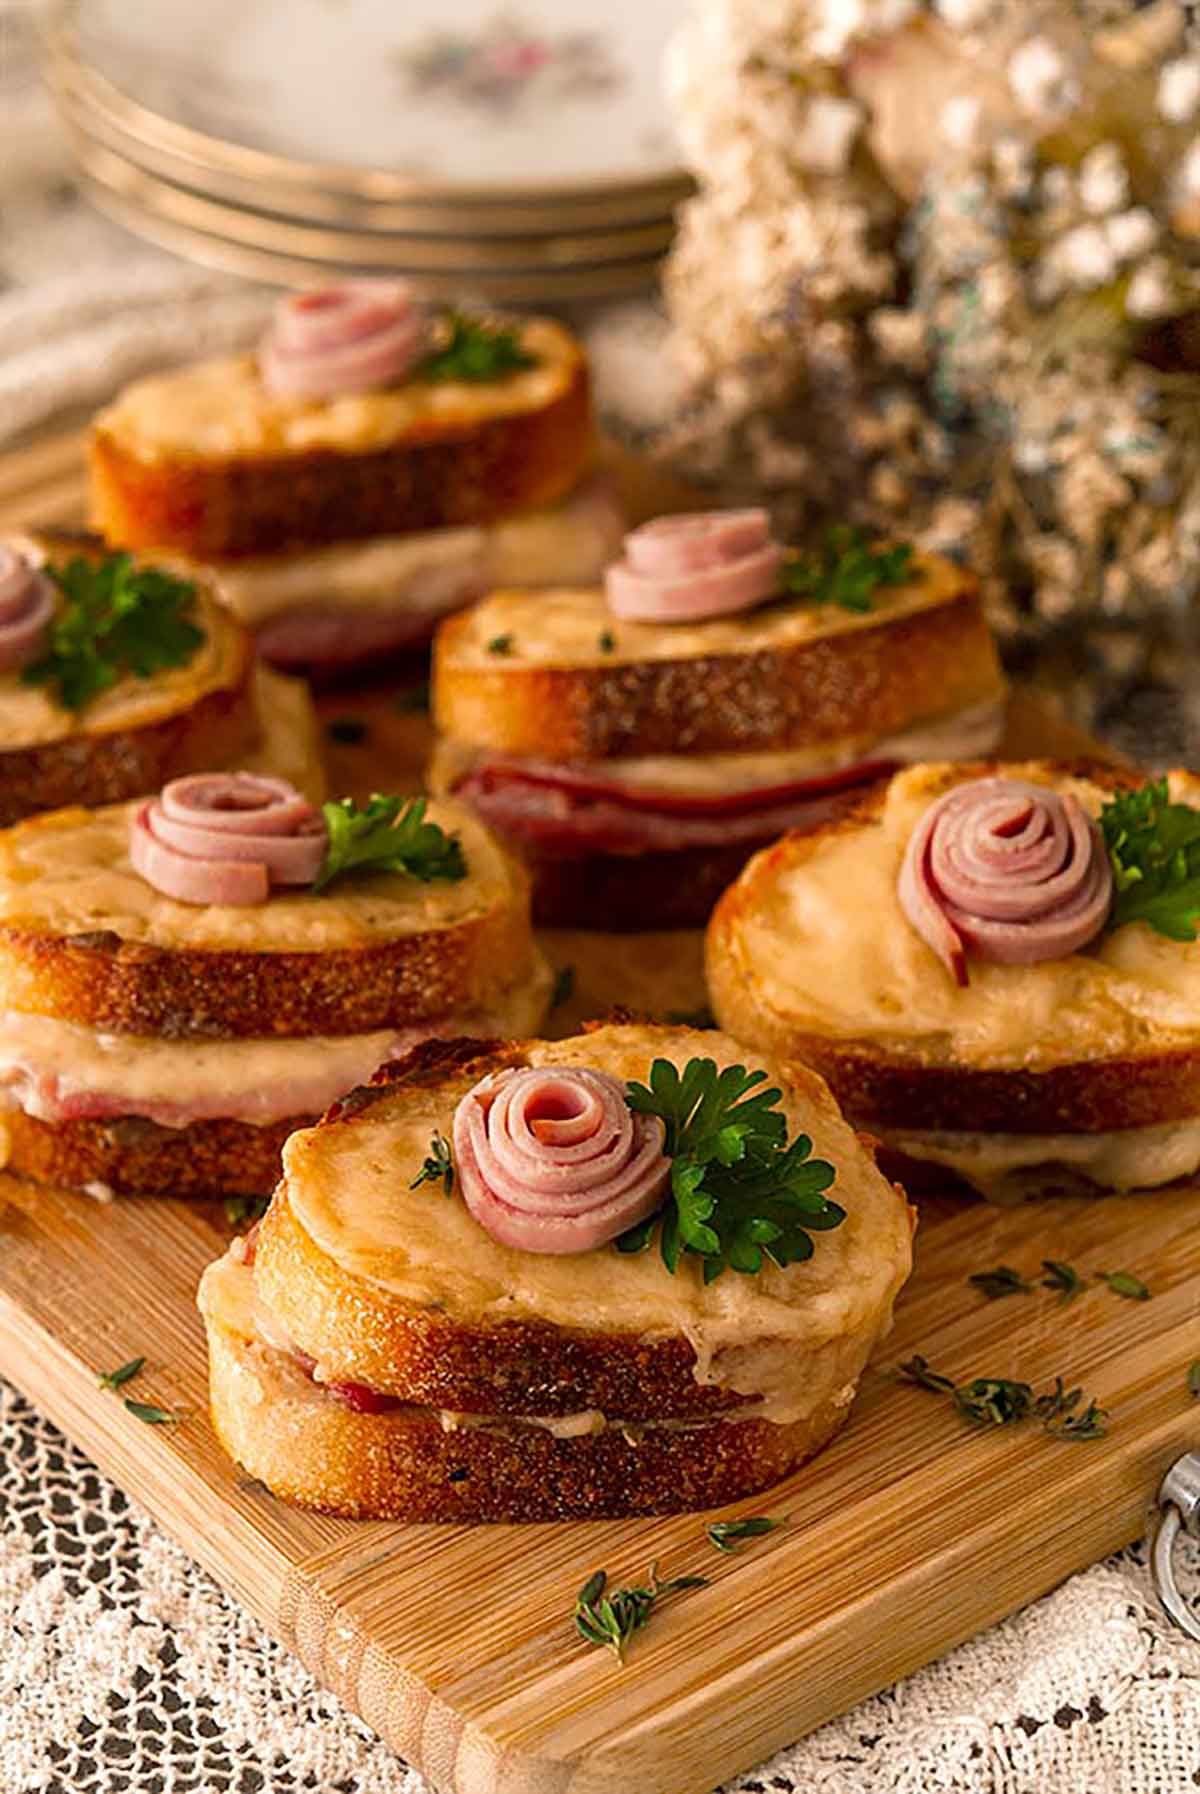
995,968
476,1294
166,1037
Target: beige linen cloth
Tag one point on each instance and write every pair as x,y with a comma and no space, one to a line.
122,1667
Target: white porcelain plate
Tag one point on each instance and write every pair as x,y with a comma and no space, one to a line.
478,95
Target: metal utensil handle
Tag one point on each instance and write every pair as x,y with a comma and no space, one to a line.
1179,1503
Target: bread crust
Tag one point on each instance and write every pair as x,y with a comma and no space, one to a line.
879,1087
134,1157
918,666
310,1449
451,473
124,987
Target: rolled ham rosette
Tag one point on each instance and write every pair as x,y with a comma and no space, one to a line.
27,605
1013,871
552,1159
344,338
227,837
701,564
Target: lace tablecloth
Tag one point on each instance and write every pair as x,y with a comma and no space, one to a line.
123,1668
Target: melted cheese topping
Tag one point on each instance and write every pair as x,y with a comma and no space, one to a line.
30,715
349,1190
216,409
69,873
428,571
827,948
1136,1158
256,1080
564,628
965,735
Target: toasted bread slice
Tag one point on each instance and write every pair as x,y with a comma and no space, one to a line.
554,675
84,939
397,1289
141,732
810,954
204,460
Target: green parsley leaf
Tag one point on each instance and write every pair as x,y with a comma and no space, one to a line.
1003,1281
1062,1277
116,618
438,1166
113,1379
740,1191
500,644
564,986
846,570
1124,1283
724,1534
151,1415
1154,847
245,1208
475,350
389,835
610,1617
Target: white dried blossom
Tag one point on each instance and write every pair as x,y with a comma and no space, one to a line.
965,15
1103,180
1150,293
1082,257
1179,89
1039,77
1131,234
826,134
836,23
961,121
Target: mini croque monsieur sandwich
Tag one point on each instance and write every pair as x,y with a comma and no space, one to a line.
995,967
537,1280
638,743
186,979
374,465
115,676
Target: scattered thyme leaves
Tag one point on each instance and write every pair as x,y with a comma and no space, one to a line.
741,1192
438,1166
415,700
124,1373
1062,1277
475,350
1124,1283
610,1617
1002,1401
389,835
115,618
146,1411
564,986
1154,848
725,1534
1002,1281
846,570
1193,1377
500,644
348,730
239,1209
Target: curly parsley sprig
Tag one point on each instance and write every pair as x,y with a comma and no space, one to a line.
741,1192
389,835
846,570
475,350
1154,847
115,618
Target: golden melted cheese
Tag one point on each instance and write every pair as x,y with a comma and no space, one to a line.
827,948
349,1188
218,409
564,627
31,716
69,873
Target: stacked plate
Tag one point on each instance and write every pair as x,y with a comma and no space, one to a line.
522,154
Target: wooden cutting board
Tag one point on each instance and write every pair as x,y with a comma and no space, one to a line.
910,1533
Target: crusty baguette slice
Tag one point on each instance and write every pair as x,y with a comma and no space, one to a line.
203,459
129,1156
85,939
398,1288
554,675
406,1465
1103,1040
141,732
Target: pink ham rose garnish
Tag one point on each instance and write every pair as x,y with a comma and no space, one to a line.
345,338
227,837
703,564
1011,870
552,1159
27,604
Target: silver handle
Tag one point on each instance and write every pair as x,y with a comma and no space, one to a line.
1179,1505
